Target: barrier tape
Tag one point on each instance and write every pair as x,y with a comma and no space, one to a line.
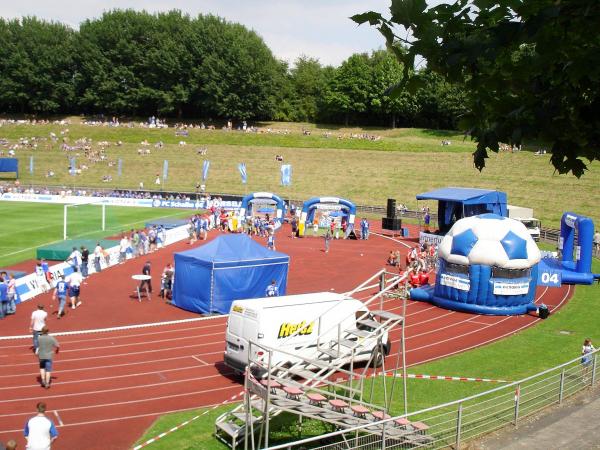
445,378
187,422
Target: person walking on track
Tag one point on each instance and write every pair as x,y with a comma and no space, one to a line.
48,345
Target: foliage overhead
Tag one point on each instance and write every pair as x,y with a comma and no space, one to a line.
531,69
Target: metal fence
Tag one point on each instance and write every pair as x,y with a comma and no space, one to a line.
450,424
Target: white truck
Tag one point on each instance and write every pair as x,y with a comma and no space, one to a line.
525,216
273,322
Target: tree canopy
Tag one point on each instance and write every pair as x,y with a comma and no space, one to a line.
134,63
528,69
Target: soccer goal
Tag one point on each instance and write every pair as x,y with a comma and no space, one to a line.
81,219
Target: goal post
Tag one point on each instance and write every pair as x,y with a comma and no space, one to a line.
88,220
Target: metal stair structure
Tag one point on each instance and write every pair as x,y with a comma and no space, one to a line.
325,384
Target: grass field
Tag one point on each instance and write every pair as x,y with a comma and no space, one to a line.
545,345
400,165
26,226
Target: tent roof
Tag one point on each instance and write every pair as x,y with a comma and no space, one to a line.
234,248
464,195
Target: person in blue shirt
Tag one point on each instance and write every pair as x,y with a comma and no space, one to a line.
3,298
60,293
272,290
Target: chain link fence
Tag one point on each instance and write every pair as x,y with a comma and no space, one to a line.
453,423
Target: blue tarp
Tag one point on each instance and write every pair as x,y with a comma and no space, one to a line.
456,203
231,267
9,165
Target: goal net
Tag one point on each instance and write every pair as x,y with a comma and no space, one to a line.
84,220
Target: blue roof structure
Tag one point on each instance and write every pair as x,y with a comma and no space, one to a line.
467,196
457,202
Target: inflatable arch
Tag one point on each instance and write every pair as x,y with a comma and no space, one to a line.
246,206
309,207
575,263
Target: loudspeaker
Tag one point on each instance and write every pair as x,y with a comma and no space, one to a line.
391,207
352,235
391,223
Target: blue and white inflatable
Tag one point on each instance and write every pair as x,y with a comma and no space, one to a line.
310,206
487,265
263,197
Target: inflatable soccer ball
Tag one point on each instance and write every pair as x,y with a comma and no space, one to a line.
490,240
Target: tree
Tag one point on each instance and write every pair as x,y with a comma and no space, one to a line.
36,66
531,69
348,94
308,81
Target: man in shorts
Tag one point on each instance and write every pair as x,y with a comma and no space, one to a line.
47,346
74,281
60,293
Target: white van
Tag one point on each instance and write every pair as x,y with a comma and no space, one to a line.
270,321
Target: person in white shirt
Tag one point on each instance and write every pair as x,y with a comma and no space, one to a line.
74,281
98,257
38,321
123,246
74,258
40,431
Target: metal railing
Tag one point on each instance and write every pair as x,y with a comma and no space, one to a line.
453,423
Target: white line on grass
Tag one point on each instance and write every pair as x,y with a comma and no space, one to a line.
89,233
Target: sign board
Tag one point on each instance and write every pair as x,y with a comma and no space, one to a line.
453,281
511,287
428,238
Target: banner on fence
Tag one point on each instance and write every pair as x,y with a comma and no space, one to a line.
243,173
205,167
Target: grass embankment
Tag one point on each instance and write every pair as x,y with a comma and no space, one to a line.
545,345
400,165
27,226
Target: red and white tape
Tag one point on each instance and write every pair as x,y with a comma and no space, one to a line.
187,422
446,378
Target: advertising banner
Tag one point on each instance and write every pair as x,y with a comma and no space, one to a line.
456,282
511,287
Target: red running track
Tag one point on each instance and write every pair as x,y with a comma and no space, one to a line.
109,387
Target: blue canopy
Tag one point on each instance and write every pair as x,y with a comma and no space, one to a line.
231,267
456,203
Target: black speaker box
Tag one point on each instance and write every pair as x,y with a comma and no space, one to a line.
391,207
391,223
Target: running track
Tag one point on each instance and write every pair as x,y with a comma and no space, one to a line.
110,386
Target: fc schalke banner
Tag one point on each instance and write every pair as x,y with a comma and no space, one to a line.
286,174
243,173
460,283
511,288
165,169
205,167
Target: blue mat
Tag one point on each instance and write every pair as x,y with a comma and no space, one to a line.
167,224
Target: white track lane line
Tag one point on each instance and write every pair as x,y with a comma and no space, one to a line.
58,419
103,391
126,336
114,377
159,413
200,361
489,340
123,354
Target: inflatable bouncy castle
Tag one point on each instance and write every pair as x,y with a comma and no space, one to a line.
487,265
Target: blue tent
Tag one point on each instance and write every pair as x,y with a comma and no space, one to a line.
456,203
231,267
